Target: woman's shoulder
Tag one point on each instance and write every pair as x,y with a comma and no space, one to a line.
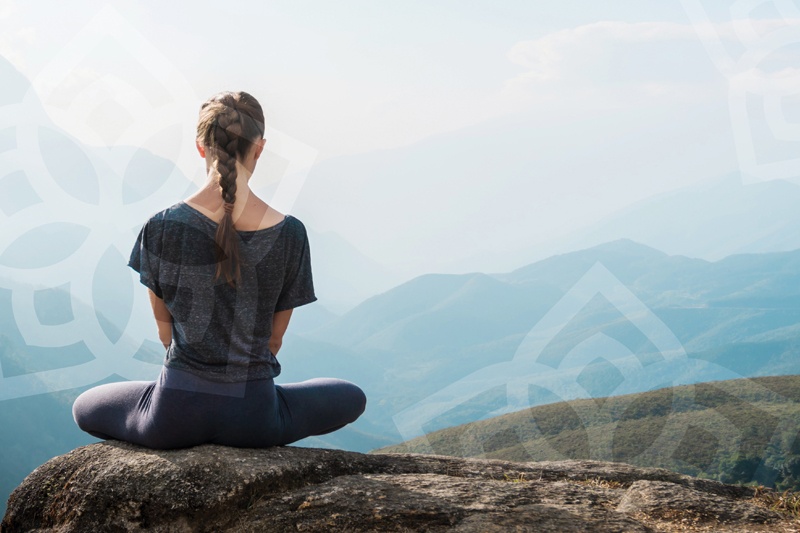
295,223
183,214
171,225
295,229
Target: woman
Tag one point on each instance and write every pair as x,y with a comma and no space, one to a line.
224,271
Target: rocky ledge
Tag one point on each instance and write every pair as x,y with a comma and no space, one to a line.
114,486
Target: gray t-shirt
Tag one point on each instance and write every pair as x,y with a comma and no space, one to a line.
221,332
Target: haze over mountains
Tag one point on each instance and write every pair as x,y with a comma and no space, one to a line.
417,347
440,349
493,197
717,217
618,318
710,221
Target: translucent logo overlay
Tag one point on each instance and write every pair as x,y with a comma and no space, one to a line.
636,352
753,46
757,56
99,141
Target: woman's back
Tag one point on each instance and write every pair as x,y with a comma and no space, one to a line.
224,271
222,331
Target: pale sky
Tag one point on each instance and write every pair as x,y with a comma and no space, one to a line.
441,135
355,76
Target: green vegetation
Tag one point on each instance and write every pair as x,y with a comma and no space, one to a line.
738,431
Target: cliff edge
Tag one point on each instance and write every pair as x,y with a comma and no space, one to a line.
114,486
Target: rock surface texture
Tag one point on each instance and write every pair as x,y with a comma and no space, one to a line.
114,486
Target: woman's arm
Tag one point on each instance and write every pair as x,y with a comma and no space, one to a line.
280,321
163,319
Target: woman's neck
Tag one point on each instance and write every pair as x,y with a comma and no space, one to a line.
209,197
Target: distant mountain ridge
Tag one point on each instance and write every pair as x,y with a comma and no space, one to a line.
738,317
651,270
655,277
410,346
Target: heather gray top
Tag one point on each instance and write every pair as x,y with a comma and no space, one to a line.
220,332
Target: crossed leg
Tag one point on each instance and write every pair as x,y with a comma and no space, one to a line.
156,415
318,406
111,411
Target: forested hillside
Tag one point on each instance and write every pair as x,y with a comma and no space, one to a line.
742,430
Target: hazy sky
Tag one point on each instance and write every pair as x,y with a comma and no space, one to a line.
355,76
441,135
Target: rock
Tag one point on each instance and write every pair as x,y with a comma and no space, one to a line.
114,486
658,499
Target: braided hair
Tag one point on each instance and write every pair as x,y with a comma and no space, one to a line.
230,124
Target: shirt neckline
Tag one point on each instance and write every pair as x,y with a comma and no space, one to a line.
215,224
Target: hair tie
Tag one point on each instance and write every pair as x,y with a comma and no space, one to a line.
228,207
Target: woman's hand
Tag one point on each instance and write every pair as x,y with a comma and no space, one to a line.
163,319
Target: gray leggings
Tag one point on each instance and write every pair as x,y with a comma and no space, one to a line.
181,409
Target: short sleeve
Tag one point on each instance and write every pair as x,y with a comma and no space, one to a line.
298,287
145,257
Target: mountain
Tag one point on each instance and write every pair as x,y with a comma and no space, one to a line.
708,429
618,318
343,275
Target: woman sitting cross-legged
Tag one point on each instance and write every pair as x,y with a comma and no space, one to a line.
224,271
